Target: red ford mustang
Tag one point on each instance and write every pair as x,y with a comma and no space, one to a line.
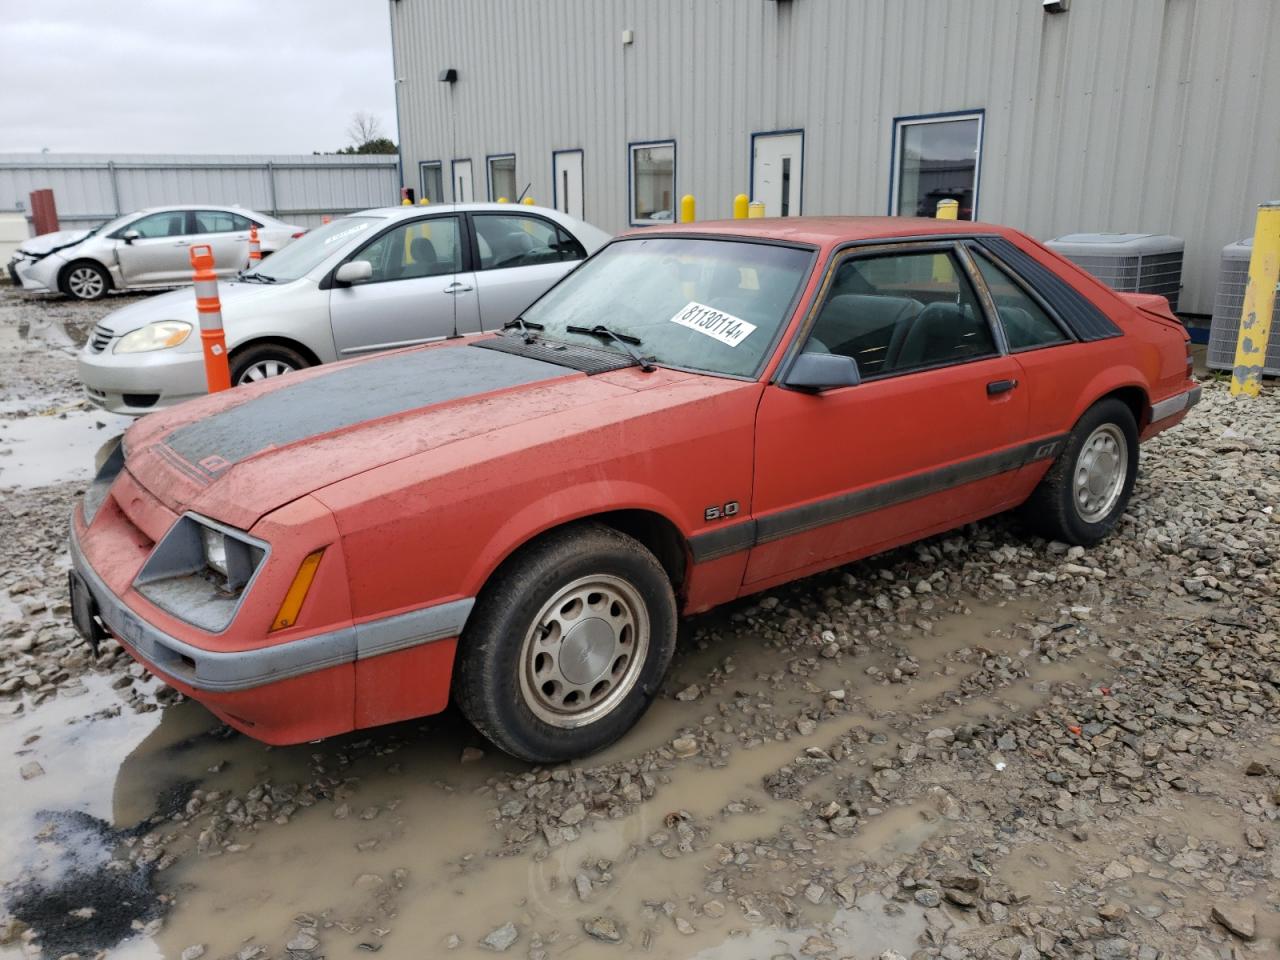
695,414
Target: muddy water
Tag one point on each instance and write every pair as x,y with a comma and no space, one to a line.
46,439
417,857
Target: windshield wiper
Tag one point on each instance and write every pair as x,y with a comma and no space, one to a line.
526,327
624,340
254,277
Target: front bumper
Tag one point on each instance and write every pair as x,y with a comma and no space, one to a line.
36,275
317,686
138,383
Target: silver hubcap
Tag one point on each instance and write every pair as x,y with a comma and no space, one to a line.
85,283
1100,473
584,651
263,369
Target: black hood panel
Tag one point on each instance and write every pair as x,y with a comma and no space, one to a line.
375,388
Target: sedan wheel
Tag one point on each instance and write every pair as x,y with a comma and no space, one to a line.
263,369
262,361
86,281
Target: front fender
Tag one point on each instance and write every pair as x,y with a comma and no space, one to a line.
572,503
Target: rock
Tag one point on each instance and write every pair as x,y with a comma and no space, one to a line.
11,928
961,899
713,909
806,727
452,942
304,942
847,892
815,893
691,692
31,770
193,952
1237,919
574,815
1113,948
501,939
582,883
684,747
684,926
928,898
603,928
1255,838
471,754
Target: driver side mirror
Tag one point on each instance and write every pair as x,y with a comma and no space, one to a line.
354,271
130,235
816,372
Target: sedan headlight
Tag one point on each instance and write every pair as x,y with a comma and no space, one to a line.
154,336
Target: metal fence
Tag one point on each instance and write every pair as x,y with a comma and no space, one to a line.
92,188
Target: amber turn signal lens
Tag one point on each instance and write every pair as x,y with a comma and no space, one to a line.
287,615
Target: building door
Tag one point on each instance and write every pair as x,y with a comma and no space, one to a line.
777,161
463,190
566,168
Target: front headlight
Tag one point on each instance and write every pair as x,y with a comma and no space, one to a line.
154,336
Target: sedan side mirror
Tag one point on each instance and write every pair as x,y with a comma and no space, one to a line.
130,235
815,372
354,271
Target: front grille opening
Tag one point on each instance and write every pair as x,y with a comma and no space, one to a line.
140,399
100,337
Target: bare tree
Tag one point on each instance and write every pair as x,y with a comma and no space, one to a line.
364,126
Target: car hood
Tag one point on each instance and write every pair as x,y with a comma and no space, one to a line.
238,455
238,300
49,242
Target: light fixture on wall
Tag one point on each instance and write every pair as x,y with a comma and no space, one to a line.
1056,6
448,75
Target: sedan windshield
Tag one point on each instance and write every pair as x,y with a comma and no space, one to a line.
689,302
312,248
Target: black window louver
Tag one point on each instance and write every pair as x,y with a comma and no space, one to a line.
1084,319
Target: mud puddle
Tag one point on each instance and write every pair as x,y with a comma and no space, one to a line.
42,445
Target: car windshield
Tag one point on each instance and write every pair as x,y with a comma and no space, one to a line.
312,248
689,302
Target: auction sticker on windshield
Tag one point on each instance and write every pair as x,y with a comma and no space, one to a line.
716,324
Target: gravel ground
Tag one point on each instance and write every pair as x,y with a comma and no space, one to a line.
983,745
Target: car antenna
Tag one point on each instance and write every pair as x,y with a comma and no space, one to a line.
520,199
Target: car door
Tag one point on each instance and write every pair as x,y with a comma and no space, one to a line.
227,235
154,249
930,439
420,289
518,257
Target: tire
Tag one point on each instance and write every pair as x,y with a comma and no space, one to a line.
255,362
518,689
85,280
1081,498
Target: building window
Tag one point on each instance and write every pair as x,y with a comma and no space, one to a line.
502,178
431,176
936,158
653,182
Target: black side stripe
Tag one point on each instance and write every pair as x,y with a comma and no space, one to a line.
1085,320
723,541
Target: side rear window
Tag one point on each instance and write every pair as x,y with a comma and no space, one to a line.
515,241
901,312
1026,324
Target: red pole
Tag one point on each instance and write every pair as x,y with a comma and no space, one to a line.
44,212
217,372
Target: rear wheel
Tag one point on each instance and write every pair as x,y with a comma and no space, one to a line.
264,360
1081,498
85,280
567,644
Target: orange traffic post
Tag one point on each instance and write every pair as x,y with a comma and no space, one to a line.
326,218
216,370
255,248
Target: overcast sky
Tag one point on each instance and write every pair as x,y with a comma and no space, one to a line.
176,76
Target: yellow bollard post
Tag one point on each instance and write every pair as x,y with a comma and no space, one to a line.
688,209
528,202
406,202
503,200
756,210
1259,303
942,272
423,202
948,210
741,204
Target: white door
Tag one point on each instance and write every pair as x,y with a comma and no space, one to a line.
776,163
463,190
567,170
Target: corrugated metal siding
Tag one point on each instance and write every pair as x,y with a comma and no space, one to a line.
91,188
1135,115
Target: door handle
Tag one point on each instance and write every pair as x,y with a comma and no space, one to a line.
456,288
1000,386
182,243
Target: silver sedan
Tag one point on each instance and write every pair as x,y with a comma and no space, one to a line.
144,250
375,280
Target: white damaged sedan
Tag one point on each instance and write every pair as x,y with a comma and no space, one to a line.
375,280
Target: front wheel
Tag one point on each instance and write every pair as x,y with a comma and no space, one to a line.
567,645
1081,498
262,361
86,280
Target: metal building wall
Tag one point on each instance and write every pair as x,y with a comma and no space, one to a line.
92,188
1146,115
